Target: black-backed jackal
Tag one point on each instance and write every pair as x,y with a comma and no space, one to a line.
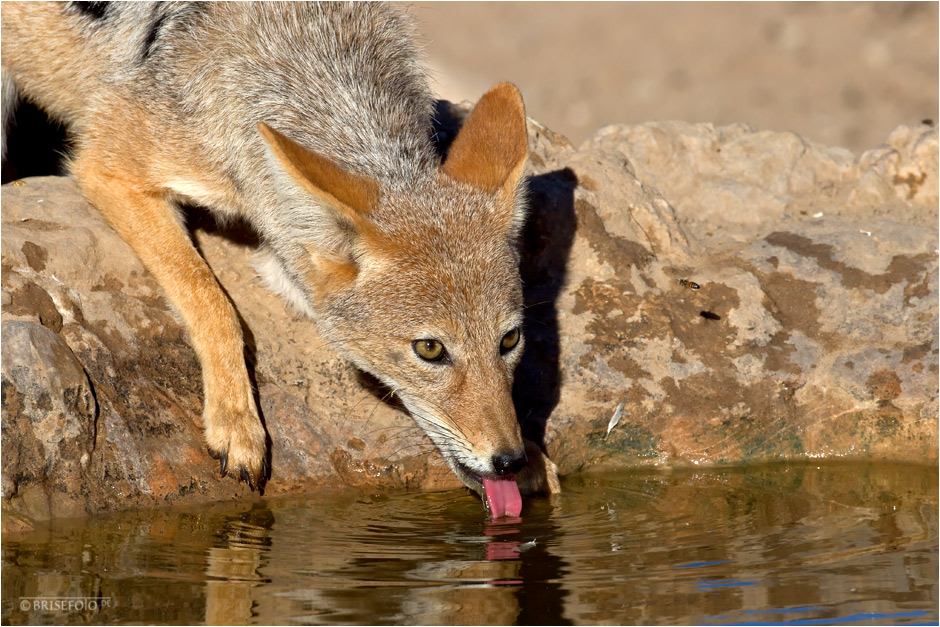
313,123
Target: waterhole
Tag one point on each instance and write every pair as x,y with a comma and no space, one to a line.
785,544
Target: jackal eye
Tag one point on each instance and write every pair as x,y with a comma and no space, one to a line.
509,341
429,350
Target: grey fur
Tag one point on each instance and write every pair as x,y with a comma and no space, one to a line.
8,105
344,80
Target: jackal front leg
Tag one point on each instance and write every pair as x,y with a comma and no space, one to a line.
151,225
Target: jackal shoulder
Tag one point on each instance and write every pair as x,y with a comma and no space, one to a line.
343,79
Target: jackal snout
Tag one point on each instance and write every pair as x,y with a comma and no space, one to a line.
509,463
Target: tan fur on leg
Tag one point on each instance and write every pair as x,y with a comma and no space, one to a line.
233,429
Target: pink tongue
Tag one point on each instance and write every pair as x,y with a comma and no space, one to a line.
503,497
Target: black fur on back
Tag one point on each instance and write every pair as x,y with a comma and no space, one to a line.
94,10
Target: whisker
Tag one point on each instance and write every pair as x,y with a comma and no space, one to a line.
449,418
348,413
544,302
450,442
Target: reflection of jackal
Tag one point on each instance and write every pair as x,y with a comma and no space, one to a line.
313,123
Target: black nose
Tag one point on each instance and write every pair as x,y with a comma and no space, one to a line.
509,463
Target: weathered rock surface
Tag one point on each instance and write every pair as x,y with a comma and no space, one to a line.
813,332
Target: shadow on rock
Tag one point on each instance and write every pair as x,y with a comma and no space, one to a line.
546,244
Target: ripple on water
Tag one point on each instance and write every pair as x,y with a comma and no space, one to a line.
787,544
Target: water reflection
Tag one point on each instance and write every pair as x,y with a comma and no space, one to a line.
843,538
234,565
784,544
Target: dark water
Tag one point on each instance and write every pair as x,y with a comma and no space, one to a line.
833,544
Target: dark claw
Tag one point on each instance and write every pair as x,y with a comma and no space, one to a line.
223,462
265,475
246,477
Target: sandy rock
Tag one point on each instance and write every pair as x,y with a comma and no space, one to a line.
905,166
812,333
46,390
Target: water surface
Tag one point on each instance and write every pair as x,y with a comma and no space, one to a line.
786,544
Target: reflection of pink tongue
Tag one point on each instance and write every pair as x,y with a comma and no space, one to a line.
503,497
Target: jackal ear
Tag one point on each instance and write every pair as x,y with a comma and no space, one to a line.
492,147
350,195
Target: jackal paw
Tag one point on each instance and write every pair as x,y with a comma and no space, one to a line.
540,475
237,439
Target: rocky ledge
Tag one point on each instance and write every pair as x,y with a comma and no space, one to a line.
730,295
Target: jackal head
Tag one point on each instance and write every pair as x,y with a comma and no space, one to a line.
418,284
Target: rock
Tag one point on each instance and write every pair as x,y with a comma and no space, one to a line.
46,391
813,332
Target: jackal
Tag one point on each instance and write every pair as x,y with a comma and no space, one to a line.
312,122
